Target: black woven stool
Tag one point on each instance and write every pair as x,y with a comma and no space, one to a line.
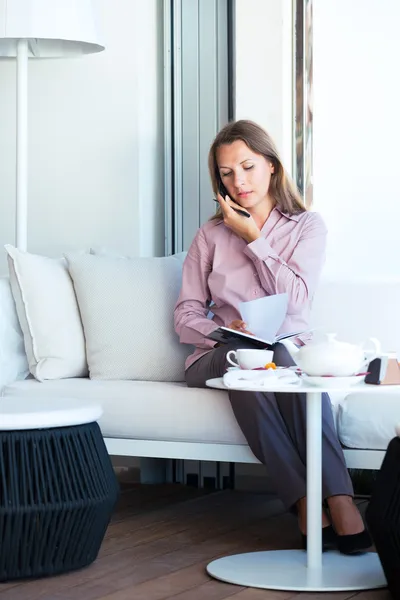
383,516
57,487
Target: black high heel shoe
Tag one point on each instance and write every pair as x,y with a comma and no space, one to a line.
357,543
329,539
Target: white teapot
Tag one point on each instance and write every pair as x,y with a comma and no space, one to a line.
330,357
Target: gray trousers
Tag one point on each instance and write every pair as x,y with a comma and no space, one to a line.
274,426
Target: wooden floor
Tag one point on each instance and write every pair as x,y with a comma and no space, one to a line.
160,540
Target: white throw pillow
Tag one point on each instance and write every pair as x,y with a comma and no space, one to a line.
48,314
13,361
127,306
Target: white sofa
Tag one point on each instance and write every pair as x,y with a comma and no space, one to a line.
169,420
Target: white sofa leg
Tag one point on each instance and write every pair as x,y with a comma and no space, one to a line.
153,470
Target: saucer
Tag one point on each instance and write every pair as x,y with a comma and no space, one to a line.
263,370
243,378
333,382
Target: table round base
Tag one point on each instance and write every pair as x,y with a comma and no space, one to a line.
287,570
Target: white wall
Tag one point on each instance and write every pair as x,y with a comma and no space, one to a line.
356,135
96,141
263,71
356,118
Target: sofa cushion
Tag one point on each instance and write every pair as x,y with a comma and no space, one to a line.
368,422
173,412
127,309
147,410
48,314
13,362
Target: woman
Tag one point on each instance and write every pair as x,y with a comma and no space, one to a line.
232,259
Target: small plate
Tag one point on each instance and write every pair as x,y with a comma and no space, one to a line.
332,382
267,379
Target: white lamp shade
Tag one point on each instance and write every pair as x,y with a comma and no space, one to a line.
53,28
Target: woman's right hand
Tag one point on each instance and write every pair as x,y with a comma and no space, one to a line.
239,325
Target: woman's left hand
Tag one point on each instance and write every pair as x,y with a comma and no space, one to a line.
244,227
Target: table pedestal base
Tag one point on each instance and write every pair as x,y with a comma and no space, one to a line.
287,570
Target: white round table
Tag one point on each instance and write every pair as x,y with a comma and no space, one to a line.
44,413
297,570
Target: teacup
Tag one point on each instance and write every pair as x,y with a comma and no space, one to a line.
248,358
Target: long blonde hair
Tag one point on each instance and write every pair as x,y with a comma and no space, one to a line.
281,189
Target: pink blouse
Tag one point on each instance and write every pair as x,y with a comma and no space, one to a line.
223,269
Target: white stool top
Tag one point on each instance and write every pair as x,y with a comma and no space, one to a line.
37,413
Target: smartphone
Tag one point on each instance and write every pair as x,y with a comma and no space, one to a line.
223,193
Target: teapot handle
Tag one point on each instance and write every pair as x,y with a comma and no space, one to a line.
375,352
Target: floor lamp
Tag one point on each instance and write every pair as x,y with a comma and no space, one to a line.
40,29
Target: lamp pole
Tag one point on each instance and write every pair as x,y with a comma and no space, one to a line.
21,217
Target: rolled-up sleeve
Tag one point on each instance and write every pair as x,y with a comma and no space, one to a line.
190,314
298,277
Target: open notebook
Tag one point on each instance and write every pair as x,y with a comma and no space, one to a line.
224,335
264,318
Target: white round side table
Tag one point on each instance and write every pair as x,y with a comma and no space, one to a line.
57,486
297,570
40,413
